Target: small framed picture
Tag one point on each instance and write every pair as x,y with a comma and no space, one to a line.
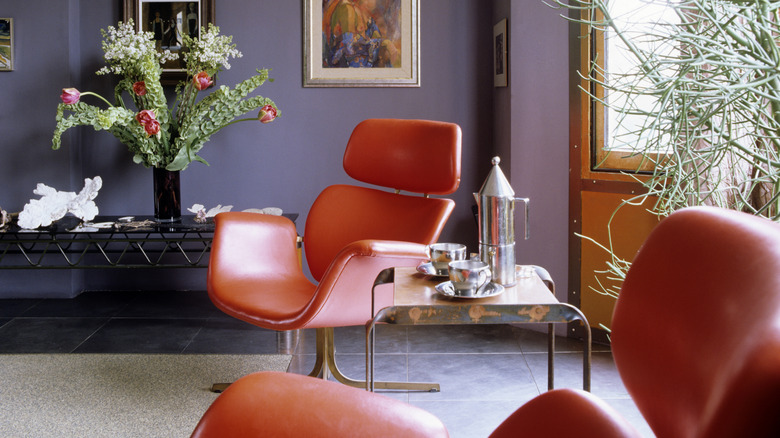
361,43
6,44
169,21
500,65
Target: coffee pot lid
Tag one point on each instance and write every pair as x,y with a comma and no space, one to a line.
496,184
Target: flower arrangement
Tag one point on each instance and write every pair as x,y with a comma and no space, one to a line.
159,136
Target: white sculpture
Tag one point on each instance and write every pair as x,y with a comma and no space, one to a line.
54,205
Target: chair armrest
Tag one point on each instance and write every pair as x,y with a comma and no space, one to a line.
343,297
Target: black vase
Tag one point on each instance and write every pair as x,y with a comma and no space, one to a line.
167,196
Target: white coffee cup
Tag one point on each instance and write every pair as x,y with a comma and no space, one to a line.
441,254
469,277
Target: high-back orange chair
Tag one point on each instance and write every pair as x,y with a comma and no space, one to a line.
351,234
695,336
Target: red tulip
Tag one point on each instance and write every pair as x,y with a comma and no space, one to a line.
139,88
70,96
144,117
152,128
202,81
267,114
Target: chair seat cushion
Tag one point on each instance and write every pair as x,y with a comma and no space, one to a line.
274,305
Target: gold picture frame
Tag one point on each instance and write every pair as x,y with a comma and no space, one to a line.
349,44
168,20
6,44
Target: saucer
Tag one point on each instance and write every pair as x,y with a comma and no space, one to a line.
489,290
428,269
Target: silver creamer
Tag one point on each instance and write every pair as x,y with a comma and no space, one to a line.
496,205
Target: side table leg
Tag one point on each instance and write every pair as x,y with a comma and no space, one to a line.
586,359
550,356
370,384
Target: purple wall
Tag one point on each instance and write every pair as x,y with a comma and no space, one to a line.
287,163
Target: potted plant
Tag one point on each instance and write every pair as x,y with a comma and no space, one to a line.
165,138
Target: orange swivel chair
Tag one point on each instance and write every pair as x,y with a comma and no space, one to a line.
281,405
695,336
351,234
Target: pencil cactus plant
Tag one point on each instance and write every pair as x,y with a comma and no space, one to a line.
700,101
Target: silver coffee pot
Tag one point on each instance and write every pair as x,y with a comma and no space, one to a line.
496,219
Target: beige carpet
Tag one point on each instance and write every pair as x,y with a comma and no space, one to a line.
108,395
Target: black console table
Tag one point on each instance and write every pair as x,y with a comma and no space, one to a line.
115,242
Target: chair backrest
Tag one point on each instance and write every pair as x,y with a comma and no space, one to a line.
417,156
696,328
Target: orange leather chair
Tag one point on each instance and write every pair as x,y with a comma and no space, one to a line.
283,405
695,336
351,234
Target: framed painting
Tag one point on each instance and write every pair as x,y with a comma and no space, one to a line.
500,65
361,43
6,44
169,21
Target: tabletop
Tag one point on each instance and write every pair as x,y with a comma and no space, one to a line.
415,289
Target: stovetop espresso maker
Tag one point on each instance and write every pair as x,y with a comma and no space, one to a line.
496,220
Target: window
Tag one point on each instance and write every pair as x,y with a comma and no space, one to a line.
620,91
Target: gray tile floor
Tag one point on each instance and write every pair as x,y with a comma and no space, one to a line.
485,372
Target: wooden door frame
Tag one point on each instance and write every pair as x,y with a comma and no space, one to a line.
582,177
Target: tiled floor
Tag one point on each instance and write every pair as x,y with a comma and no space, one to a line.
485,372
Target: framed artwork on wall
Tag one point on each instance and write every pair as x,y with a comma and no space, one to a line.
6,44
361,43
500,61
168,21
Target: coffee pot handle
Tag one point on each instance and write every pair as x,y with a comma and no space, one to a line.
527,208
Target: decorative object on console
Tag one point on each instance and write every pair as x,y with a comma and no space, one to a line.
159,136
273,211
5,218
201,215
54,205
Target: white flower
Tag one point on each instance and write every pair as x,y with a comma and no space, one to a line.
124,49
196,208
211,51
201,215
218,209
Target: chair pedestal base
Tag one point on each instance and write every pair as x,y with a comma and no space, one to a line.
325,366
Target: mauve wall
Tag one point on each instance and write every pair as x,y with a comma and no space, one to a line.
287,163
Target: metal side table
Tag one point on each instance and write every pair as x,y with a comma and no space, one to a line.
531,300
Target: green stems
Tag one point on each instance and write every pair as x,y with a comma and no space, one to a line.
89,93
